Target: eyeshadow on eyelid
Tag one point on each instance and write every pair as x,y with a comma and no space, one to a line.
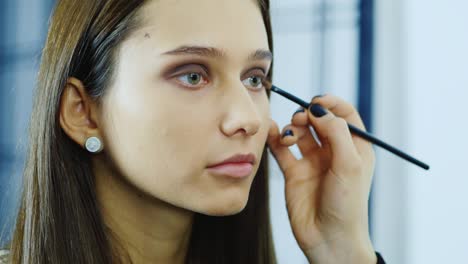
174,70
198,65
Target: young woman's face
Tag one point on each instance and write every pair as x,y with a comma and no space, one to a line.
169,116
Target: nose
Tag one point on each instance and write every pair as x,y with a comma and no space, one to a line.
241,112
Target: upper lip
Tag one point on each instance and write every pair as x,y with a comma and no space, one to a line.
238,158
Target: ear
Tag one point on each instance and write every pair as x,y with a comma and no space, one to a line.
78,112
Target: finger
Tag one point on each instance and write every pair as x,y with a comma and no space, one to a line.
340,108
335,131
306,142
282,154
348,112
289,135
299,117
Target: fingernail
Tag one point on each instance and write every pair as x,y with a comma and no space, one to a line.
288,132
299,110
317,96
317,110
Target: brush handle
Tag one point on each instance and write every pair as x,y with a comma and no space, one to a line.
317,110
363,134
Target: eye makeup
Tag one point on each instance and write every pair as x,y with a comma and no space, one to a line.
190,70
177,72
319,111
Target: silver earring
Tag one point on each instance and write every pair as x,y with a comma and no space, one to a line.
93,145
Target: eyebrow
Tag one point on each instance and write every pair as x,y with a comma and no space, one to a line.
259,54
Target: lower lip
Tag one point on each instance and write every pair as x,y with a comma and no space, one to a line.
235,170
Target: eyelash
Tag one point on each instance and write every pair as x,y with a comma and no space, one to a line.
203,74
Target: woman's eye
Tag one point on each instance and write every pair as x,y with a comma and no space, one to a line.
255,82
192,78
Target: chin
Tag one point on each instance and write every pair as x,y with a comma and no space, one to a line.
224,208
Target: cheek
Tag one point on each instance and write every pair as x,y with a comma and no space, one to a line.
265,115
162,146
154,145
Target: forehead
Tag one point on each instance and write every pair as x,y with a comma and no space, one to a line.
235,26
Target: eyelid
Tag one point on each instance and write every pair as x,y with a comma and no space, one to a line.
255,71
190,68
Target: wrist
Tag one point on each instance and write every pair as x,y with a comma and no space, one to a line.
341,251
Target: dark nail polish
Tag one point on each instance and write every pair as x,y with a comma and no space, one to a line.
317,110
317,96
288,132
300,110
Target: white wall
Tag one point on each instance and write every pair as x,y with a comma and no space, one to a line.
307,63
421,99
389,207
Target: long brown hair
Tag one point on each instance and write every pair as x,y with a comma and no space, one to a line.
59,220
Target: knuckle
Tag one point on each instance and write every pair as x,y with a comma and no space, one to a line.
355,166
338,124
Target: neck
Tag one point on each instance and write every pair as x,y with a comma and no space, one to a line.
148,229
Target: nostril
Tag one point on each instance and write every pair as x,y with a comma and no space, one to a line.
251,130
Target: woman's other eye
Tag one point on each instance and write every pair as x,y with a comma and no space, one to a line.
193,79
255,82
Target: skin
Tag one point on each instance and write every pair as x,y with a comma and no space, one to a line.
161,131
327,190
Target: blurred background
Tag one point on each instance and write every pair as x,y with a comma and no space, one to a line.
402,63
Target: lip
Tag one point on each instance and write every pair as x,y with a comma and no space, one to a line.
237,166
238,158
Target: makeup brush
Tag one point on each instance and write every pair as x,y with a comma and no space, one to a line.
318,110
